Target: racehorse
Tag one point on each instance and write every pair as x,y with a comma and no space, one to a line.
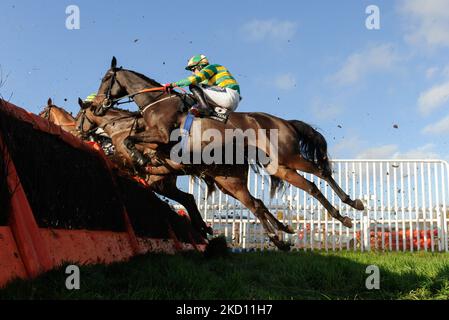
300,146
84,127
59,117
118,125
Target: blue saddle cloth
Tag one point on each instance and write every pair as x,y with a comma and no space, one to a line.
186,131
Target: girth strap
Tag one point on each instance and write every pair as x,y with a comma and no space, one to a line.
156,102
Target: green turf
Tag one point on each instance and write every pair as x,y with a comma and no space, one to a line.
268,275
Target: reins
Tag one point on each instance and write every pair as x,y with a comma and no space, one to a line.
130,96
104,125
118,101
47,114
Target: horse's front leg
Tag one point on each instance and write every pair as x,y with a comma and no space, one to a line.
146,139
166,186
136,155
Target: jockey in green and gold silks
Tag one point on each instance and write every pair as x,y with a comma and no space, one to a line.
211,82
90,97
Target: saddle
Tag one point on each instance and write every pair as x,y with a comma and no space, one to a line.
217,113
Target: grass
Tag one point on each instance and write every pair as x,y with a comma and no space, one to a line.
259,275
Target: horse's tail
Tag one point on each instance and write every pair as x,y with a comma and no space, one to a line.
210,184
276,184
312,146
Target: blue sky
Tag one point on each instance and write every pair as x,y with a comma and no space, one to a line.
309,60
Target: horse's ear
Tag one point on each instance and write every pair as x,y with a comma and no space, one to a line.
113,63
49,102
81,103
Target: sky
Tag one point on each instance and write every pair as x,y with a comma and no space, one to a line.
372,93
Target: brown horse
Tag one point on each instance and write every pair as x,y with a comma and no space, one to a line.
67,122
59,117
118,125
83,126
300,146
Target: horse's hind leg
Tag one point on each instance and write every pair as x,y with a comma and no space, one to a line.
356,204
292,177
309,167
236,187
279,225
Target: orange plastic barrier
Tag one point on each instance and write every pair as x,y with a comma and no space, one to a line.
420,239
27,250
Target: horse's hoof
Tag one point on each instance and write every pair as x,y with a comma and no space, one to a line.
358,204
347,222
209,230
289,229
283,246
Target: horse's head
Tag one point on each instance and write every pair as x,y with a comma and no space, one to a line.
46,112
57,115
119,83
84,125
110,89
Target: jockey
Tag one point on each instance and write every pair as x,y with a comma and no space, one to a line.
211,82
89,100
90,97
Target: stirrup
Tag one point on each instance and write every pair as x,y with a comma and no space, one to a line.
138,158
198,111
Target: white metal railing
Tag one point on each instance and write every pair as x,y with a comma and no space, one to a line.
405,201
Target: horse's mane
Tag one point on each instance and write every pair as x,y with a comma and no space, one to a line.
130,112
43,111
52,106
151,81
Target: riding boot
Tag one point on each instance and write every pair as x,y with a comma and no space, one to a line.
155,161
201,108
136,155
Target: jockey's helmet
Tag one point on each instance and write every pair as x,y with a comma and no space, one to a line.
198,60
90,97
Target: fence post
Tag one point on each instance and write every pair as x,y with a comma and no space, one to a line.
32,247
396,200
366,233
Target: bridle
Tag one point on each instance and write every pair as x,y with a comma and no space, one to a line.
95,127
109,103
80,126
47,113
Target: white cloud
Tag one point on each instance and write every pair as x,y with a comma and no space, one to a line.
273,29
431,72
391,151
445,71
325,111
424,152
346,148
359,64
285,81
427,22
433,98
381,152
439,127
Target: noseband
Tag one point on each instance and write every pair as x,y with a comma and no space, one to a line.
108,102
46,112
81,124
